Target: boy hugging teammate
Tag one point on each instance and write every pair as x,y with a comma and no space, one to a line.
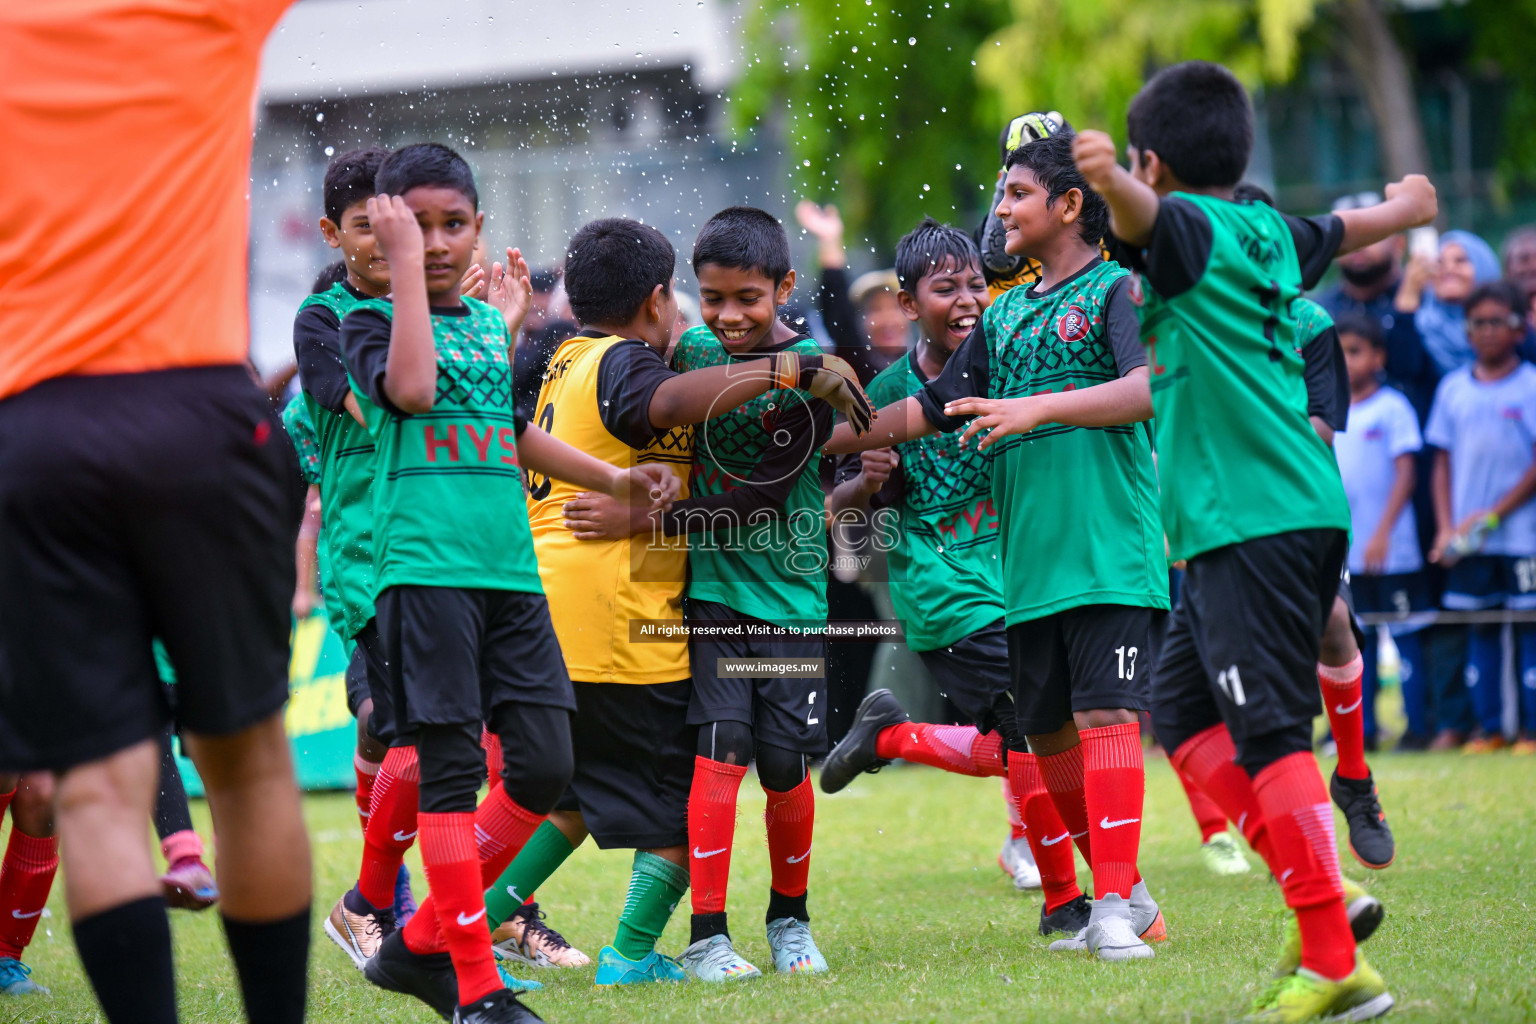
1250,494
462,618
1063,356
945,578
609,391
361,919
764,563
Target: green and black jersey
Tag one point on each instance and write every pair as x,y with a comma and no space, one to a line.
1077,506
1322,360
772,566
346,459
301,432
945,570
1238,457
449,507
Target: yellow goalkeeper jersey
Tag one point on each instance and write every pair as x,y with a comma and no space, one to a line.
596,589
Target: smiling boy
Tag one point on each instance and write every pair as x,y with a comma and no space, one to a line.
1063,356
946,582
768,567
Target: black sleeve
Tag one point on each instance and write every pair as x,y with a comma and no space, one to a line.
317,350
965,376
1327,379
627,377
1317,241
1123,328
365,344
1180,246
809,427
531,359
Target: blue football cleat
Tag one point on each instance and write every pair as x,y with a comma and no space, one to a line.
405,902
16,979
614,968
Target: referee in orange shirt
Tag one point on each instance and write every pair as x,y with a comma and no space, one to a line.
145,486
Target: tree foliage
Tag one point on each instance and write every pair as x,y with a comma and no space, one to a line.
1087,58
1504,34
878,103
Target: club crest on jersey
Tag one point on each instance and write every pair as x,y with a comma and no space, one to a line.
770,419
1073,325
1135,294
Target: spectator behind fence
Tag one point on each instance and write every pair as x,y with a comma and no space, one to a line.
1484,423
864,321
1371,279
1435,292
1376,456
1518,255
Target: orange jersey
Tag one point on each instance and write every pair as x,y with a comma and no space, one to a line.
124,175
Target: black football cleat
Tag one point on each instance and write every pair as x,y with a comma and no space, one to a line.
1068,919
427,976
500,1007
855,752
1370,838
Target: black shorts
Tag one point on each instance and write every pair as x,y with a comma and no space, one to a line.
454,653
973,673
788,713
135,506
634,763
1242,644
1081,659
369,669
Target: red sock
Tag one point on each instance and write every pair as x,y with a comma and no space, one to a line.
1063,775
954,748
1300,817
1047,834
711,830
790,818
1207,815
367,772
458,898
391,825
25,878
5,800
493,760
1114,787
501,827
1016,829
1210,760
1344,702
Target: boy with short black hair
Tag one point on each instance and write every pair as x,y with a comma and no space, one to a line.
945,580
1250,494
1483,423
609,391
1377,457
463,621
764,564
1063,356
361,919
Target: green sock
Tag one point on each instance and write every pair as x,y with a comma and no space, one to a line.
655,889
541,857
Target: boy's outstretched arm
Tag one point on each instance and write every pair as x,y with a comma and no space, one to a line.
1133,205
1127,399
1410,203
703,394
897,422
647,484
410,373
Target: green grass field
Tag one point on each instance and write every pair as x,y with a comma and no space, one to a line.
919,924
